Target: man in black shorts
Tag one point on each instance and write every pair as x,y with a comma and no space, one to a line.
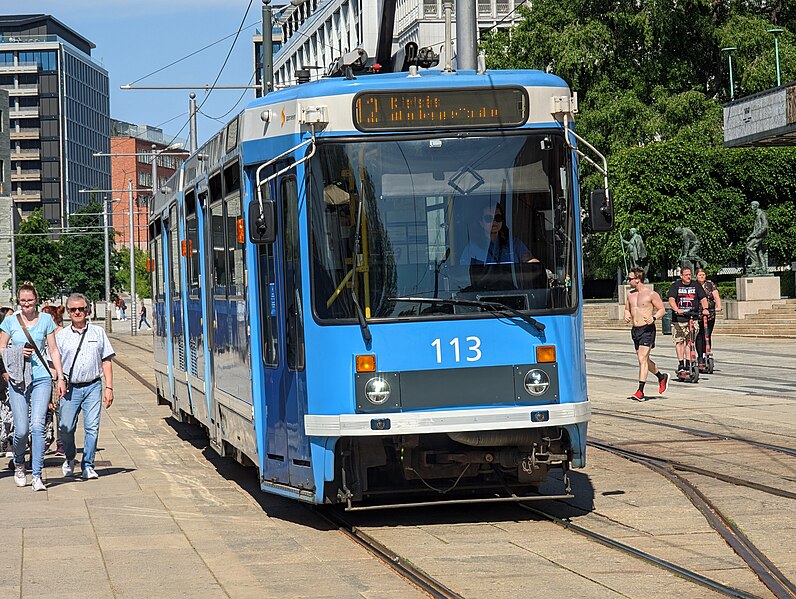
643,307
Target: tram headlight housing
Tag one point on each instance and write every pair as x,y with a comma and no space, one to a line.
536,382
377,390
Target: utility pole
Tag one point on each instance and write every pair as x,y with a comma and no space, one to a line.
132,258
268,48
13,253
466,35
108,305
192,140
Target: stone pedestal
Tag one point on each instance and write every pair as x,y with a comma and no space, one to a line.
617,311
754,294
757,288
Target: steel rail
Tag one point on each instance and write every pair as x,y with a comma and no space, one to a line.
767,572
666,462
698,432
662,563
406,569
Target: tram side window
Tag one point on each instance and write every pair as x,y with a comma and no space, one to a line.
191,244
235,248
174,255
159,267
219,249
293,304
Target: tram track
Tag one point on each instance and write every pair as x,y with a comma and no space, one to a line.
756,560
397,563
695,431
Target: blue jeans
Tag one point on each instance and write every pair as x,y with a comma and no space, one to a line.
87,399
33,400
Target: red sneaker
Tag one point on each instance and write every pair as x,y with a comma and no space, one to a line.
663,384
638,396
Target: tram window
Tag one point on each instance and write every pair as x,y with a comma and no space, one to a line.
175,254
235,247
219,249
159,266
214,186
293,302
191,244
231,178
268,301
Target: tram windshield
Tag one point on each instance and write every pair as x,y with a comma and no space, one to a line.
480,219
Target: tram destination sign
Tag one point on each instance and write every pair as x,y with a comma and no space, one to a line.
445,108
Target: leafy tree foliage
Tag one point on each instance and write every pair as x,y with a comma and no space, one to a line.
143,284
37,256
652,81
83,255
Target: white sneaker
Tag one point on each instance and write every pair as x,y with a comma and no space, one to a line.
20,478
37,484
9,454
89,473
68,468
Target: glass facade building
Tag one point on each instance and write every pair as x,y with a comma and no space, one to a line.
59,115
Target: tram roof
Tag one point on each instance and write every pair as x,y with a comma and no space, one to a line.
426,79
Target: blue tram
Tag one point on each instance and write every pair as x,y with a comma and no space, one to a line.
370,288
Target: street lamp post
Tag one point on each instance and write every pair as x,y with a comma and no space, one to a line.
776,31
108,309
132,258
729,50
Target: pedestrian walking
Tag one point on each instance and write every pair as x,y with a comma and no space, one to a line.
643,307
30,379
685,295
714,305
88,356
51,427
142,317
123,308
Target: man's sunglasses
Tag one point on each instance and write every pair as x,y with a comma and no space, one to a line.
78,309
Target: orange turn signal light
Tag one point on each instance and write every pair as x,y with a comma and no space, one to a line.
241,230
545,353
366,363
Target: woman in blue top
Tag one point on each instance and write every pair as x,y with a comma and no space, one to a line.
32,397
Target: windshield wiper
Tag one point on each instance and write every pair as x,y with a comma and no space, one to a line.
491,307
366,336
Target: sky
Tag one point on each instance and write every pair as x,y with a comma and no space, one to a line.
133,38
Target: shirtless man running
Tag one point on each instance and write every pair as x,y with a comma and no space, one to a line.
639,307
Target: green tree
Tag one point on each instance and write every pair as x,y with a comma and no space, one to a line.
143,285
83,254
37,256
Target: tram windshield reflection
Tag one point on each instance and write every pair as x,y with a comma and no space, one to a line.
482,218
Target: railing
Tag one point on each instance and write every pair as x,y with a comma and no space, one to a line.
23,113
27,39
20,88
26,196
25,133
25,155
26,175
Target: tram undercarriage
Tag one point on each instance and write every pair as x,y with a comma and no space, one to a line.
450,466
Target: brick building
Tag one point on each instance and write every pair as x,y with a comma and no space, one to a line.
131,163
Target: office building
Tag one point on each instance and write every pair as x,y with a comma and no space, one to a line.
311,34
59,115
131,166
7,215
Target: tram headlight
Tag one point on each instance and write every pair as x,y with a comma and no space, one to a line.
536,382
377,390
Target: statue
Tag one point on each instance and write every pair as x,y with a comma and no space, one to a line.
689,257
636,251
756,250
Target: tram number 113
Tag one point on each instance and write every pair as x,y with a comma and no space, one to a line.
472,351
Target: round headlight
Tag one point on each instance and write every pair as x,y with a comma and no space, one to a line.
536,382
377,390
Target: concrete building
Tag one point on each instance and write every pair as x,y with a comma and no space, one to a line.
59,115
131,164
311,34
7,214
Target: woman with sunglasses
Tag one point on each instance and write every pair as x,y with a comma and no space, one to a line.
29,398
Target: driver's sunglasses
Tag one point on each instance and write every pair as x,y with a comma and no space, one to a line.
78,309
498,218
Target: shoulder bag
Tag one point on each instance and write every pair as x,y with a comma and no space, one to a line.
30,340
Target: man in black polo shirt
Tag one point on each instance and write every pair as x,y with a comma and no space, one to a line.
685,295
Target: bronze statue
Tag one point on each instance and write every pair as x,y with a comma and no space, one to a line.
689,257
636,251
756,249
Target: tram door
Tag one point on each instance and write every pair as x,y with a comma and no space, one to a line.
287,457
